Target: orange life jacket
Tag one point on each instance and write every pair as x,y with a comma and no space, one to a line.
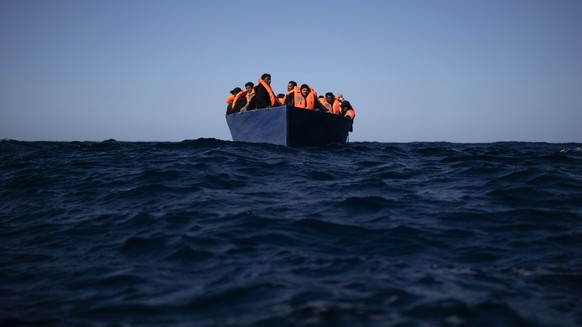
334,108
238,96
305,102
229,99
272,96
350,113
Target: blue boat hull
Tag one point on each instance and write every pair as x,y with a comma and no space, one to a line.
285,125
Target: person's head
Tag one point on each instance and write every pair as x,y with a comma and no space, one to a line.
235,90
280,95
329,97
267,78
291,85
304,90
249,86
340,97
346,105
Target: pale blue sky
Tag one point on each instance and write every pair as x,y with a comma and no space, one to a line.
415,70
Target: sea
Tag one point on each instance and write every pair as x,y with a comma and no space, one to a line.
209,232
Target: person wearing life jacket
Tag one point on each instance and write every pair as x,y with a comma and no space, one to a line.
346,108
321,100
305,97
229,100
241,100
249,93
264,96
291,86
330,103
250,88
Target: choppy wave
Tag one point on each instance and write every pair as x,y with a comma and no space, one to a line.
214,233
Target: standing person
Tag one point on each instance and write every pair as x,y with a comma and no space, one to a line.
230,99
305,97
264,96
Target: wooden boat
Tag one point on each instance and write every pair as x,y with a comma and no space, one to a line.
286,125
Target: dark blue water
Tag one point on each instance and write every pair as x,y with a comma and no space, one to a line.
215,233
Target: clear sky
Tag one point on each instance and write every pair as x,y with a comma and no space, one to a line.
414,70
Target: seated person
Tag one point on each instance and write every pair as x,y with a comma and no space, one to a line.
230,99
305,97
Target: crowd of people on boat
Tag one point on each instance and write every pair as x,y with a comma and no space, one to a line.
261,96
